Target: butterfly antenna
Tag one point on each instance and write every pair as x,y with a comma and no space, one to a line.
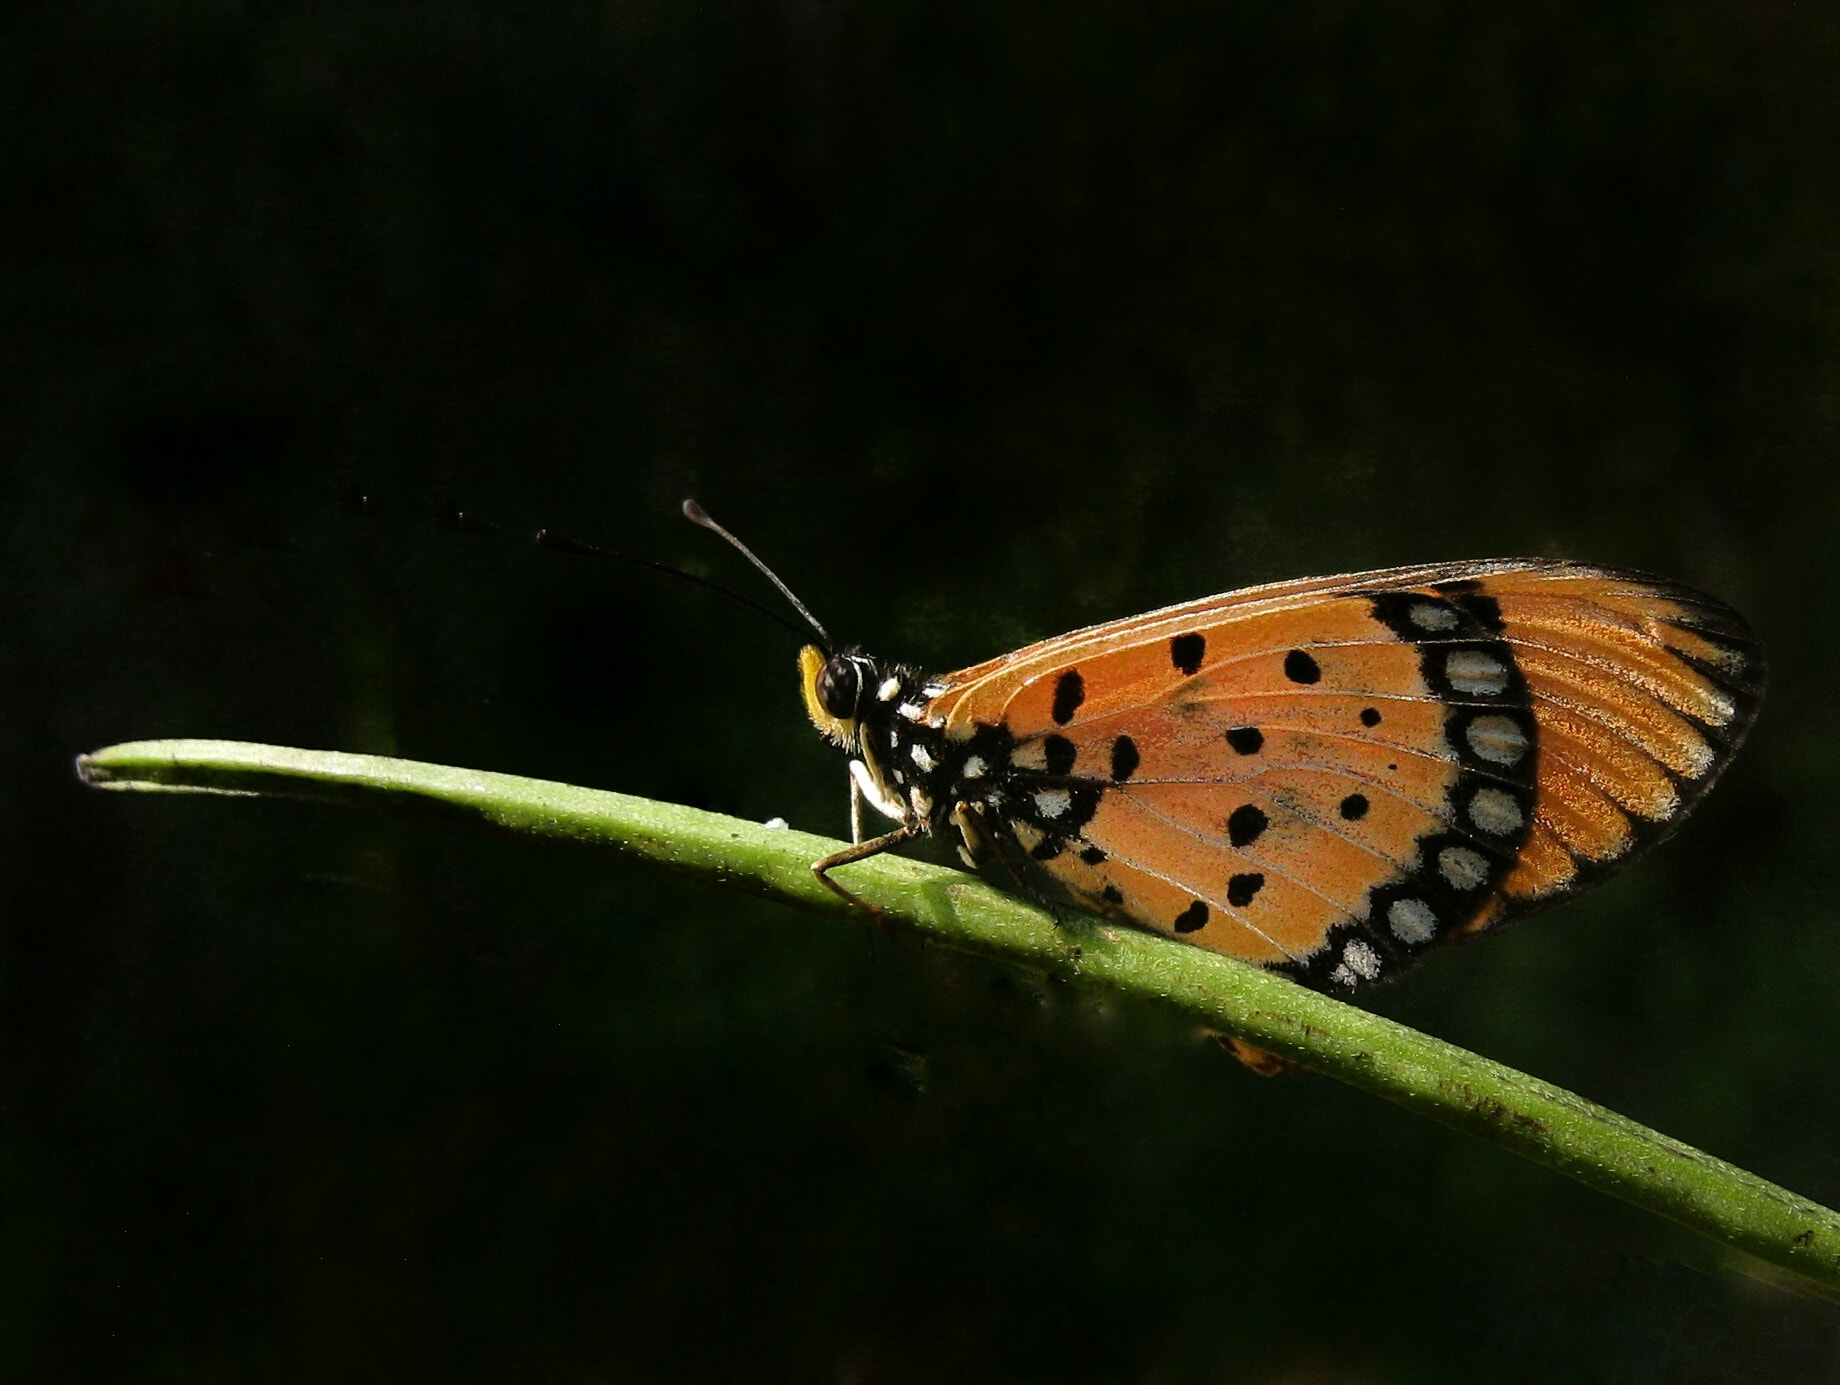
696,514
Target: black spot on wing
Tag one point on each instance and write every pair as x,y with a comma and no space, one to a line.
1299,667
1247,740
1354,807
1125,758
1069,693
1241,888
1370,716
1060,754
1245,823
1187,651
1193,917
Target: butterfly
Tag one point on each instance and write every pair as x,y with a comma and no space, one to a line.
1326,777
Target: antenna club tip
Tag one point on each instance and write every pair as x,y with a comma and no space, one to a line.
697,514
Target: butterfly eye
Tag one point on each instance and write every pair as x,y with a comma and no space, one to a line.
839,687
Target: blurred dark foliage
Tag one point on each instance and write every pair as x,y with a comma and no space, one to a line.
981,321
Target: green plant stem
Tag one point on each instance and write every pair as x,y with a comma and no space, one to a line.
1547,1124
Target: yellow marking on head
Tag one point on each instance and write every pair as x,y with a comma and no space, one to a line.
811,665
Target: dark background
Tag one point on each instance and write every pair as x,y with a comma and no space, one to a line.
981,321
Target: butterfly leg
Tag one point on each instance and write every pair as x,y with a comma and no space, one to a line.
862,851
973,841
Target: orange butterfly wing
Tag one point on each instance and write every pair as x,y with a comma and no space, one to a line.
1330,776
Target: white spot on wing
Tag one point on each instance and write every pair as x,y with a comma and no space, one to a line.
1472,671
1411,920
1426,616
889,690
913,711
932,690
1052,803
1462,868
1341,976
974,767
1495,812
1497,739
923,758
1361,959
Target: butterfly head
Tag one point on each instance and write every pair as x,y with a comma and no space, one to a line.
877,715
836,686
